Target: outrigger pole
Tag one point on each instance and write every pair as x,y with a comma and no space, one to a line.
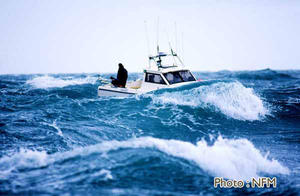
147,39
157,59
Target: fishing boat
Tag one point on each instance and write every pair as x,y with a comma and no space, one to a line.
164,71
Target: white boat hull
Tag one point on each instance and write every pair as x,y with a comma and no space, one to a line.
108,90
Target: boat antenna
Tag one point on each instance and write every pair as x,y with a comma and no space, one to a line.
171,50
182,46
159,59
173,54
147,39
176,37
157,35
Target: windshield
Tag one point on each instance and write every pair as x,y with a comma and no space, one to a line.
154,78
179,76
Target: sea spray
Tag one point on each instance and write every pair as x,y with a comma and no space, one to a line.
47,81
228,158
232,99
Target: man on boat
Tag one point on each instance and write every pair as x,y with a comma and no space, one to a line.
121,77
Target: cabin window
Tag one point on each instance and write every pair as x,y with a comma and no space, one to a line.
154,78
179,76
173,77
187,76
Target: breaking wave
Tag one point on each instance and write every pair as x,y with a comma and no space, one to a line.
52,82
232,99
24,158
229,158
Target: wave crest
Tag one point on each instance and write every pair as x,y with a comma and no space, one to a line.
24,158
232,99
228,158
52,82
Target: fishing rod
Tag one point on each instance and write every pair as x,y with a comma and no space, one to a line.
147,40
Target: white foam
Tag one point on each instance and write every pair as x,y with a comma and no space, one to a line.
228,158
232,99
23,158
106,173
54,125
52,82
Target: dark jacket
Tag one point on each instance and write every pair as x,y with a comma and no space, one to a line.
122,76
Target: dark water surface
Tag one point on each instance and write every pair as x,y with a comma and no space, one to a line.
58,137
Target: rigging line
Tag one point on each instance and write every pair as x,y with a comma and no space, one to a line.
157,36
176,37
171,50
182,46
147,39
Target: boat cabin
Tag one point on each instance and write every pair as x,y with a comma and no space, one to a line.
168,73
169,78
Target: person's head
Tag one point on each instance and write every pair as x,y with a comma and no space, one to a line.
120,65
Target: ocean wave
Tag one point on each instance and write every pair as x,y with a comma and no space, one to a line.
23,159
228,158
231,98
265,74
52,82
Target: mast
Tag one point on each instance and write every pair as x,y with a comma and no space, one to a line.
147,39
160,55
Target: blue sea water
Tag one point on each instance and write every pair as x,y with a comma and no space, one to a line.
58,137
